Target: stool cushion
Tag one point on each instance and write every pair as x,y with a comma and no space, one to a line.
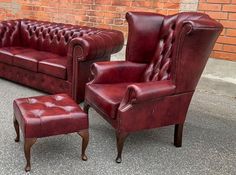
49,115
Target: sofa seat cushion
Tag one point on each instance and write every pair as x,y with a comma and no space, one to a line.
30,60
7,53
54,67
106,97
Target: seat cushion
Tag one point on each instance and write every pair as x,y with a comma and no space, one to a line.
30,60
7,53
49,115
54,67
106,97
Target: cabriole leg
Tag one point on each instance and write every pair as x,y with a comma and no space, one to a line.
27,149
85,136
120,139
17,129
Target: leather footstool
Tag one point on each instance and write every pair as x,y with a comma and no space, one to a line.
45,116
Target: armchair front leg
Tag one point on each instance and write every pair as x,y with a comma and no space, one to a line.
120,139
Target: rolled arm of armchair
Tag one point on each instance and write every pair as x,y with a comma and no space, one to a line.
117,72
140,92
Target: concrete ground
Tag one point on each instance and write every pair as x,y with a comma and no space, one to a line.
209,139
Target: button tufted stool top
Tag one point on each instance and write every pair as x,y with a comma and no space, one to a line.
49,115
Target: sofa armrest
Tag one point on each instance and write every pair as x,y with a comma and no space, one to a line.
141,92
105,42
117,72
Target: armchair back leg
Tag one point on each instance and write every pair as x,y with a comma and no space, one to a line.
86,107
178,135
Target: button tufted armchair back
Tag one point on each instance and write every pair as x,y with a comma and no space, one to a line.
51,37
175,47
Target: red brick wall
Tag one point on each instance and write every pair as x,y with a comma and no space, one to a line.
98,13
111,14
225,12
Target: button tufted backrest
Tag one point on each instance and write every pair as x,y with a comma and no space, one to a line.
9,33
51,37
160,66
184,44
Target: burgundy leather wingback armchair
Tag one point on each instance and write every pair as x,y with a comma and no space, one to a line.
165,57
53,57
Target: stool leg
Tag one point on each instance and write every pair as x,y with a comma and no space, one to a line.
17,129
27,147
85,136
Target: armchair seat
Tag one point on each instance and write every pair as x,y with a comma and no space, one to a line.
106,97
55,67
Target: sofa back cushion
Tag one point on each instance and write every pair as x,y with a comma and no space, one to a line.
51,37
9,33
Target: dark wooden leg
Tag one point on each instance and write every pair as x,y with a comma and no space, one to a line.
16,126
120,139
85,136
178,135
27,147
86,107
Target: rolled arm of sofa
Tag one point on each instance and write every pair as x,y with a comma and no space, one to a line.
105,42
117,72
141,92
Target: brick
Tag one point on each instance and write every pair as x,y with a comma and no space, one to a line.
230,48
219,1
227,40
218,15
224,55
228,23
209,7
232,16
121,2
218,46
231,32
229,8
171,6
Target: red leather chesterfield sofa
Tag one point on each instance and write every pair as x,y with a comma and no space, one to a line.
154,86
53,57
